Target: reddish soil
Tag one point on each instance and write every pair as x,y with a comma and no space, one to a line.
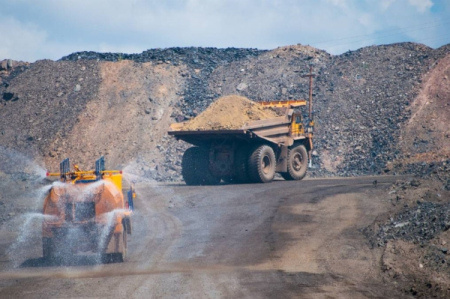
426,135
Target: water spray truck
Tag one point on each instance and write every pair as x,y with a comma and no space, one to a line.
87,212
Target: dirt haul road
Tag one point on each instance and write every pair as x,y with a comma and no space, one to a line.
279,240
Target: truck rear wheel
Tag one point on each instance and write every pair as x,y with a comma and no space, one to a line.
109,258
261,166
195,167
123,254
56,249
297,163
120,243
241,165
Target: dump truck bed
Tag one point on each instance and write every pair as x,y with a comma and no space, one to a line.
275,130
201,137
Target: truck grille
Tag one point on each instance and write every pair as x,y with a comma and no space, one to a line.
80,211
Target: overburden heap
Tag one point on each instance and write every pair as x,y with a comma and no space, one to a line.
362,98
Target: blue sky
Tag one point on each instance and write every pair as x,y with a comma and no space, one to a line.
49,29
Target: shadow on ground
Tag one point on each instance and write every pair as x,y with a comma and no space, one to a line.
72,261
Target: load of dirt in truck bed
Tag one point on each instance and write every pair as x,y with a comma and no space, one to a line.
228,113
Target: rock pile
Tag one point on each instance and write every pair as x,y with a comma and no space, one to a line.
361,98
48,96
271,76
201,62
9,69
9,65
228,113
439,171
418,224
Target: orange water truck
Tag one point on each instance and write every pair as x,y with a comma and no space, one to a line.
87,212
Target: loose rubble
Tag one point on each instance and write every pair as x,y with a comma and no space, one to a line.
201,62
414,237
419,224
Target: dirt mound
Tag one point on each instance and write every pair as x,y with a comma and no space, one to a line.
426,135
414,237
43,103
298,50
133,104
200,63
229,112
84,109
274,75
361,97
361,103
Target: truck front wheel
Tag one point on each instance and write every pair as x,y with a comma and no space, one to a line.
262,164
297,163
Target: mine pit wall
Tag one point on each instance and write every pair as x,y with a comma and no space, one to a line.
426,134
130,115
84,109
364,100
120,106
361,98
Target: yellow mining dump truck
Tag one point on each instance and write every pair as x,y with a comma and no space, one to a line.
253,152
87,212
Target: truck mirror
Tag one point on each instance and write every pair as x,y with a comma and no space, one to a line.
131,194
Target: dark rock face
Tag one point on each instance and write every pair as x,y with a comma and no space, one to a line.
45,101
363,100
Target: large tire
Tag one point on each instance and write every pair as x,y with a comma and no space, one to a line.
261,164
189,166
48,249
297,163
55,250
241,165
123,254
117,257
195,167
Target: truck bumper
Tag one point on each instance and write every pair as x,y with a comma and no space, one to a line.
89,237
